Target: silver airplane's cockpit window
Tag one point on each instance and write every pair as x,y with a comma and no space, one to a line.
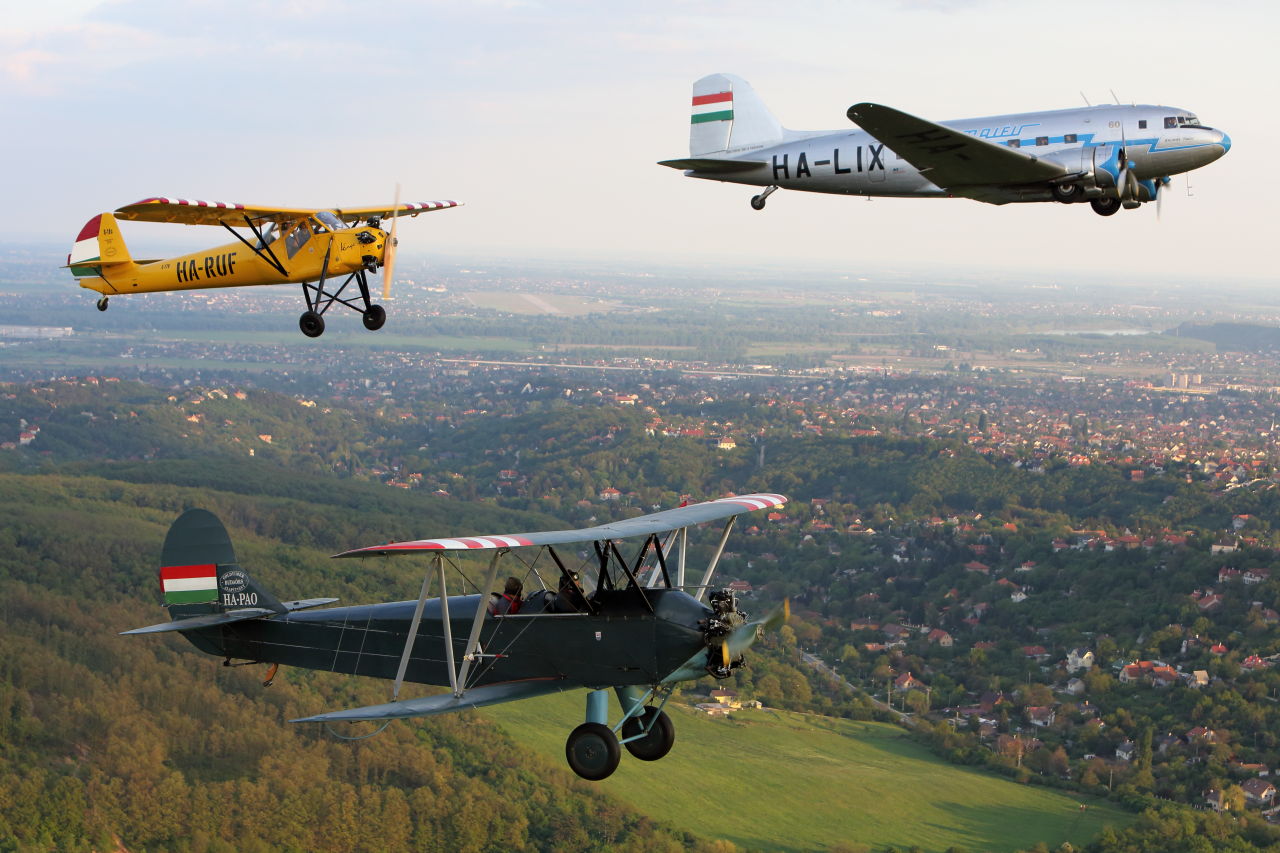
1189,120
1171,121
332,222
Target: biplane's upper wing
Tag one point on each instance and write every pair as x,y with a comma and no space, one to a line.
956,161
643,525
192,212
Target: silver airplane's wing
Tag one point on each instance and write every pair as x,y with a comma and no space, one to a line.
477,697
644,525
955,161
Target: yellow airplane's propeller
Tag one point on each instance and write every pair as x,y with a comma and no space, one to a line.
389,255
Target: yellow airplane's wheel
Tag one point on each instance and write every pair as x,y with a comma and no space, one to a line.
102,303
311,324
374,317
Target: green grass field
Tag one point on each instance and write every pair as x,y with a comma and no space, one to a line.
775,780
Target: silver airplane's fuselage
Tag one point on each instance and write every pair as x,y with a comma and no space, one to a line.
1157,141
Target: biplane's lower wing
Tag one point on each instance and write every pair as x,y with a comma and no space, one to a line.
427,706
643,525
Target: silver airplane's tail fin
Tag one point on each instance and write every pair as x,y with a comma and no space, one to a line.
728,117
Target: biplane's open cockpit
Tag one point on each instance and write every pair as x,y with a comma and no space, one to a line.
593,613
319,247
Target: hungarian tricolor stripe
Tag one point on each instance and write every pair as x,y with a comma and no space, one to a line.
189,584
85,250
716,107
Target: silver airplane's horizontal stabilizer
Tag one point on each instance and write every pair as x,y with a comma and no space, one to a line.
427,706
713,166
214,619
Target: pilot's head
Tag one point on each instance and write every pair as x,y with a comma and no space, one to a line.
513,587
569,580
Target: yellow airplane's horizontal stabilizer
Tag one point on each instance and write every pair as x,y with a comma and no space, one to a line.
99,244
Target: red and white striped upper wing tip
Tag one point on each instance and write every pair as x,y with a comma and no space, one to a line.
189,202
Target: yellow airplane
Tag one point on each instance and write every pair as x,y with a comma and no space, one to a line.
289,246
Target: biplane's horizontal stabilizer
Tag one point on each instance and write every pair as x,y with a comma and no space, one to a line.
228,617
643,525
427,706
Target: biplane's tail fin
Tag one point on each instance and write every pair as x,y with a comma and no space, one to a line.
729,117
199,574
98,245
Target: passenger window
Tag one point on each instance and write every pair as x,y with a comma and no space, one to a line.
1014,143
1142,124
1042,140
297,238
1070,137
1170,121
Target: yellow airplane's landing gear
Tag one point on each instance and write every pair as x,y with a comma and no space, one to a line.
757,201
374,317
311,324
102,303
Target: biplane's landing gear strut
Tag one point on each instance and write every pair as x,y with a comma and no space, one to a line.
647,732
757,201
102,303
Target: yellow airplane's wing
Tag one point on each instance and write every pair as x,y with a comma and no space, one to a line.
349,214
191,212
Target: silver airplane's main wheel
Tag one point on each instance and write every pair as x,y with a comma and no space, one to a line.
657,742
374,317
757,202
102,304
1066,193
1105,206
593,751
311,324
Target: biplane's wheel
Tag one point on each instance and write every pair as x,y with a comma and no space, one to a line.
655,744
102,303
374,317
593,751
311,324
757,202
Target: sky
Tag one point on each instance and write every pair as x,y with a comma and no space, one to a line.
547,118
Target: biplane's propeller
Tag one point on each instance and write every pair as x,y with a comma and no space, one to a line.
389,256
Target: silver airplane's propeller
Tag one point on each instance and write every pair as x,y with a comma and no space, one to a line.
389,255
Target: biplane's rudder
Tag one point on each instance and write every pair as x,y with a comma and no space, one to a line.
199,574
98,245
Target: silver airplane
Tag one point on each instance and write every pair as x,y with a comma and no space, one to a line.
1109,156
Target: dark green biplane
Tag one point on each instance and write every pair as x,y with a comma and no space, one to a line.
631,626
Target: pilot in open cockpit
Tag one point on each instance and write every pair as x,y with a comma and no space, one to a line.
509,601
569,597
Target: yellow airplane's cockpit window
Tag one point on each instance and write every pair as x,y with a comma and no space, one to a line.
297,238
269,236
329,221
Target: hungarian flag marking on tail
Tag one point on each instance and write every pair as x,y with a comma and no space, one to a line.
715,107
189,584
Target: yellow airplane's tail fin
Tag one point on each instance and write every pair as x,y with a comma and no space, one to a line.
98,245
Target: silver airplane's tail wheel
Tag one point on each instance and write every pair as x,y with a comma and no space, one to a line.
757,202
593,751
311,324
1105,206
374,317
655,744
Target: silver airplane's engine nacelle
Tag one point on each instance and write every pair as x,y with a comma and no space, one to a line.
1092,178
